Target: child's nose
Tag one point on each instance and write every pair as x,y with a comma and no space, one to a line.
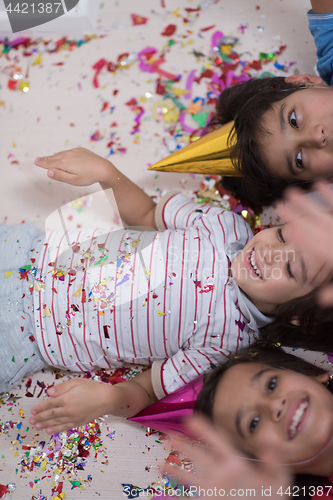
277,407
316,136
270,254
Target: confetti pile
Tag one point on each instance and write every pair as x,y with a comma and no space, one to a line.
61,460
183,101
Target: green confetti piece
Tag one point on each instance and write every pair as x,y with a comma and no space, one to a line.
26,359
13,359
201,119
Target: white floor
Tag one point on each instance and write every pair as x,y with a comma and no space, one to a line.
63,110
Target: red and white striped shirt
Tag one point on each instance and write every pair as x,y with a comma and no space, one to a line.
164,297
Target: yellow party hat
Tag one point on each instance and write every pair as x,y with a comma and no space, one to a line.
208,155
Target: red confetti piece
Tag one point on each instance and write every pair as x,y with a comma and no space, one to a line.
137,20
208,27
115,92
190,9
160,89
3,490
106,333
125,55
255,64
169,30
208,288
98,67
12,84
105,106
132,102
112,67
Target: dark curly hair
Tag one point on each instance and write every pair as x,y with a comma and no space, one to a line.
313,329
246,104
269,354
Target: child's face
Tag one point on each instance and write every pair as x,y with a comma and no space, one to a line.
271,269
269,408
299,145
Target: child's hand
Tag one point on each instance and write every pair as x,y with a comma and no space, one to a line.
70,404
78,166
312,227
222,466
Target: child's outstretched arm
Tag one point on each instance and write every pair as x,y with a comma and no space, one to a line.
81,167
79,401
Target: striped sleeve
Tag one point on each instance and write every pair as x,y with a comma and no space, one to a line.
183,367
177,211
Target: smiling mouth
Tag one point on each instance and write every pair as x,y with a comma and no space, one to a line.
297,418
253,265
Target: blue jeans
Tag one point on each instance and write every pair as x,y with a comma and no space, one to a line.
19,354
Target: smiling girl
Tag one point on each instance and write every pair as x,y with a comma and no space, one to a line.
268,399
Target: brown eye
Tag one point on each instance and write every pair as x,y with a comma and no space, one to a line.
272,384
253,424
298,161
292,119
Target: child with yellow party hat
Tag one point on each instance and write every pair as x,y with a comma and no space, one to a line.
275,131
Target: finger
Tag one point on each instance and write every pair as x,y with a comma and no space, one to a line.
184,476
47,161
60,427
216,440
192,450
47,404
58,389
325,190
62,176
325,296
50,418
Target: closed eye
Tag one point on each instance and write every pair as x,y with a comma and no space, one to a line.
288,269
279,235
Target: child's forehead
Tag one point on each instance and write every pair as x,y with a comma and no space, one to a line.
264,228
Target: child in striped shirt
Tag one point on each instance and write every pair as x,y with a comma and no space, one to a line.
181,296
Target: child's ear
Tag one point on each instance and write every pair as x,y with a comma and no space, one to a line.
323,377
295,321
304,79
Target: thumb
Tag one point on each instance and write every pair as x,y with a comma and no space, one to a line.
59,389
62,176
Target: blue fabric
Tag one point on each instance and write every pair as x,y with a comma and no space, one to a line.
321,27
19,356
